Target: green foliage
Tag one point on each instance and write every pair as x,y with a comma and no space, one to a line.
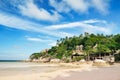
117,40
67,60
65,46
35,56
117,57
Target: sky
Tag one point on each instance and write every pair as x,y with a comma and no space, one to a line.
28,26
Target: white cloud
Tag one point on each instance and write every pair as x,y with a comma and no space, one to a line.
96,29
60,6
31,10
14,22
37,39
18,23
81,6
68,5
49,42
86,26
52,44
54,30
101,5
74,24
78,5
94,21
34,39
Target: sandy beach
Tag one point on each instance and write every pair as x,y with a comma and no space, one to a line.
62,71
101,73
38,71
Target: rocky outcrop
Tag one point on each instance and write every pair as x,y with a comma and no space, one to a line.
55,60
44,60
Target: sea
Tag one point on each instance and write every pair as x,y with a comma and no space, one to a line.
10,60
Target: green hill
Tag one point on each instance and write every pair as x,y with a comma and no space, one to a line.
92,44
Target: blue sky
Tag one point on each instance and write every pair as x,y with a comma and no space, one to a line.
28,26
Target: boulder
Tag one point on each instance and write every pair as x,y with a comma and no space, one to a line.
55,60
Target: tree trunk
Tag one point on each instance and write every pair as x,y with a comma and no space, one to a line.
88,57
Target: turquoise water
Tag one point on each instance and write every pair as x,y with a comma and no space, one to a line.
10,60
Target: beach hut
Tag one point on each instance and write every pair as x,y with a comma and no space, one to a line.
77,53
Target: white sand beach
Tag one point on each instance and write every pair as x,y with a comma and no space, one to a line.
101,73
64,71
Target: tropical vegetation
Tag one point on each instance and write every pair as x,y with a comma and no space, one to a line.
65,46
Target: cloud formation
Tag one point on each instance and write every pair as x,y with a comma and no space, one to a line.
60,6
30,9
33,11
101,5
52,43
34,39
56,30
87,25
18,23
81,6
49,42
78,5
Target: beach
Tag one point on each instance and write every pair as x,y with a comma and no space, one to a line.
100,73
64,71
24,71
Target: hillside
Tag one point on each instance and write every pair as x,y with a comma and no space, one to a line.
92,44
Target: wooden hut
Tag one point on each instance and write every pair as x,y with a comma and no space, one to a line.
77,53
